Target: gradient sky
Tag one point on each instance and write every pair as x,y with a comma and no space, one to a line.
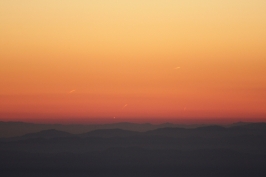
136,60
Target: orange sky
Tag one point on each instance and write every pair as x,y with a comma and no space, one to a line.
137,60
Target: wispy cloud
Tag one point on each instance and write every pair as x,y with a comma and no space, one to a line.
71,91
125,106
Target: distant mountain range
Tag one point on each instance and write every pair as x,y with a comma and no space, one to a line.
242,136
12,129
235,150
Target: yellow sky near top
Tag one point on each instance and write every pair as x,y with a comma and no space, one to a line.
131,26
192,49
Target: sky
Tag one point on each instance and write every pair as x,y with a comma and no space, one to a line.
102,61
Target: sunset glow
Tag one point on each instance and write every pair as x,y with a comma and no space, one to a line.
103,61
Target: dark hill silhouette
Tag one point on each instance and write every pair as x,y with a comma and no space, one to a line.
110,133
134,162
257,126
13,129
238,124
206,131
236,138
205,151
211,128
51,133
250,129
170,132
